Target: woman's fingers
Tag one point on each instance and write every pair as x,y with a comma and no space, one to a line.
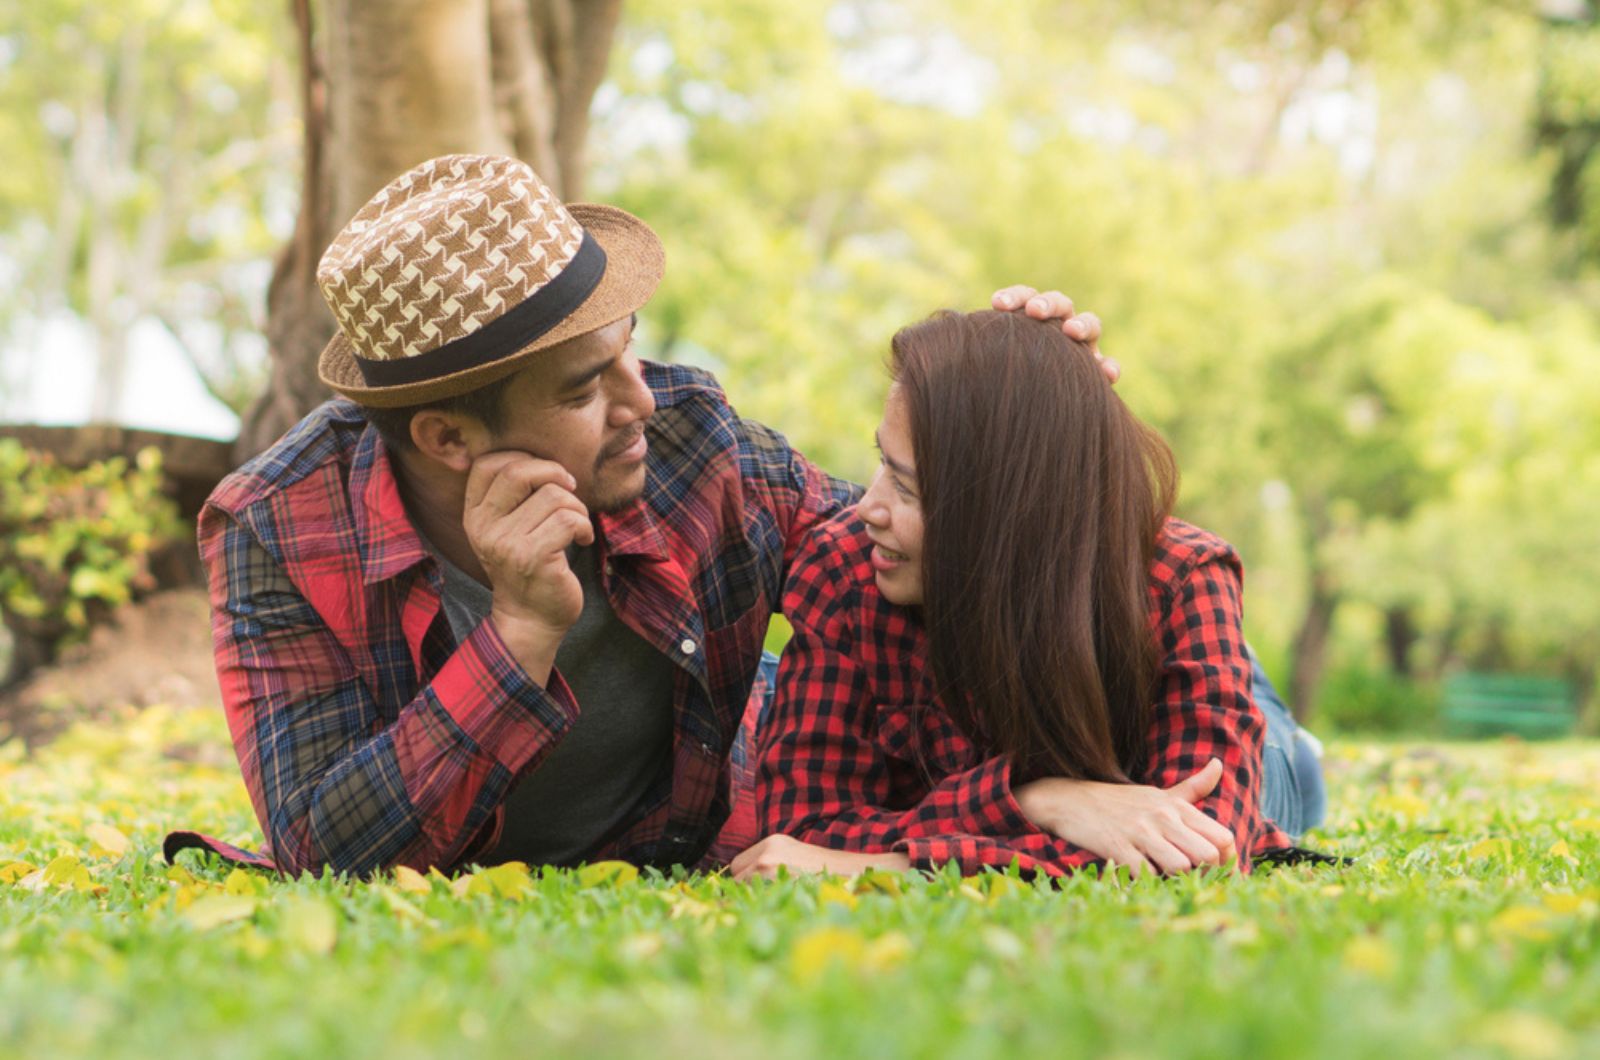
1196,847
1164,856
1217,834
1198,785
1125,853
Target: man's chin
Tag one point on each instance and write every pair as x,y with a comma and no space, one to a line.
618,488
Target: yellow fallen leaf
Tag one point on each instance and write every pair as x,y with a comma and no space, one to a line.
241,884
1401,804
831,893
1585,824
310,925
1522,922
879,881
1001,886
1003,944
214,910
642,947
1559,849
407,879
400,906
1370,956
1525,1035
1489,848
886,952
15,871
107,840
511,880
1566,904
67,871
817,951
601,873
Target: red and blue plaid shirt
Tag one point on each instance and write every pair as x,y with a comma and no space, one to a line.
859,755
369,739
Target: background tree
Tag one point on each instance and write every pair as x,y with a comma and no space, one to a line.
389,83
141,143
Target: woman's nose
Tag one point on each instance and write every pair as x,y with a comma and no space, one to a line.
871,508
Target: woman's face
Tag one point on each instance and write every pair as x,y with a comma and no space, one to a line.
892,509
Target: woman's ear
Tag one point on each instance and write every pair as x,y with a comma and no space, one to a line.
449,438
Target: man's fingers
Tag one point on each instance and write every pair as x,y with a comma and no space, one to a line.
502,480
1200,784
1012,297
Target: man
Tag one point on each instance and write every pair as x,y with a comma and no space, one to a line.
510,602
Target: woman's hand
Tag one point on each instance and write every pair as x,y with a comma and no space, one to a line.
1053,305
775,851
1133,824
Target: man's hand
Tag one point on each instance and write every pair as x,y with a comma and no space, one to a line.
775,851
520,518
1053,305
1131,824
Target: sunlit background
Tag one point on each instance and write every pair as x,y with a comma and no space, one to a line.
1347,252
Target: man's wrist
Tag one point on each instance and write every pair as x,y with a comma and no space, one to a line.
533,643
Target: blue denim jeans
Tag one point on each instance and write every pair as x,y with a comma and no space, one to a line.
1293,795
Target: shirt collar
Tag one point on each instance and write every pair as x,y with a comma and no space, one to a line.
392,543
633,531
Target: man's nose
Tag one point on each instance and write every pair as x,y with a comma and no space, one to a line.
634,401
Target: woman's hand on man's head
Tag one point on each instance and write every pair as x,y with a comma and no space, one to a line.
1053,305
1144,828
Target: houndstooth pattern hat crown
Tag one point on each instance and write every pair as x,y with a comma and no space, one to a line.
459,268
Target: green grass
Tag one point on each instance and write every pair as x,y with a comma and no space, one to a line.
1470,927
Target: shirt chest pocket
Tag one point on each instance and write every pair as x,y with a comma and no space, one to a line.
924,737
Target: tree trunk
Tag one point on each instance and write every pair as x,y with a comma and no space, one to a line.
1399,637
391,83
1310,649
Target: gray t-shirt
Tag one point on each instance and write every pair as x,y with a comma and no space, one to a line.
622,741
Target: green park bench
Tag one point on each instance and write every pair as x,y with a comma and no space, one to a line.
1479,704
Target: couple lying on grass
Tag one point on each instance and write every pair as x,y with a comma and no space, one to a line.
508,602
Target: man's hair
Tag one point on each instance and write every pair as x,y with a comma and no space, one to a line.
486,404
1042,497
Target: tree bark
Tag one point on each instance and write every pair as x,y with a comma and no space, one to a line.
1399,637
1310,649
391,83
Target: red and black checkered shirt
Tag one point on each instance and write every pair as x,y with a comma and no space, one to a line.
859,755
369,739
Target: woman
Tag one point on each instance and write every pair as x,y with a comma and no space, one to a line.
1009,651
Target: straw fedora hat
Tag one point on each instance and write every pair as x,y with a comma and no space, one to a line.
462,269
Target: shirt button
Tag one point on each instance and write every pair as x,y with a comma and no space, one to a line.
687,647
607,568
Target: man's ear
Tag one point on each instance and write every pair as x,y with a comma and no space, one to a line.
449,438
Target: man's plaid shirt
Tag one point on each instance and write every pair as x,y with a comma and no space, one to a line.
368,739
859,755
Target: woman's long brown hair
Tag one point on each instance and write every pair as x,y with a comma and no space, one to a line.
1042,497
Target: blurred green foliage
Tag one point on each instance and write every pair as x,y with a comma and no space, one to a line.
1348,253
76,543
1317,235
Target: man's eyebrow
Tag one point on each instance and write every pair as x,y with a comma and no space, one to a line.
894,465
584,376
